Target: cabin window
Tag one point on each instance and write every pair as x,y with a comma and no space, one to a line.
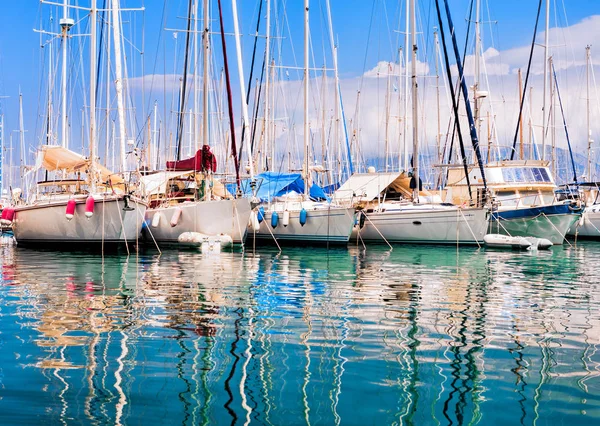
520,175
545,175
508,175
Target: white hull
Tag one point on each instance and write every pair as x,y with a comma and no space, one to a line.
428,224
553,228
589,224
206,217
323,225
45,222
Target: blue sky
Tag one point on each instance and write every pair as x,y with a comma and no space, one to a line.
21,57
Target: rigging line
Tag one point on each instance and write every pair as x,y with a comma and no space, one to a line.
463,84
229,102
237,165
453,96
565,125
262,73
537,20
458,82
99,64
158,42
185,73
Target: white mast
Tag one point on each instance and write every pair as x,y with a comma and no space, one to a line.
238,51
119,80
93,18
205,58
415,105
589,129
406,53
437,96
544,112
194,117
267,147
336,82
306,126
476,104
65,24
154,160
49,129
107,112
21,135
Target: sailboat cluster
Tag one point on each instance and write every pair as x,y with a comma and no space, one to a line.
190,202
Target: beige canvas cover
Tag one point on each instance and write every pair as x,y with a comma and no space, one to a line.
54,158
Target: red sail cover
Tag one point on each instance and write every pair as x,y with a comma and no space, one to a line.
203,161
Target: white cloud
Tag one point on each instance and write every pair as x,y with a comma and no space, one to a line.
385,68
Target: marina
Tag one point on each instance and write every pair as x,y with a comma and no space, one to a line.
211,214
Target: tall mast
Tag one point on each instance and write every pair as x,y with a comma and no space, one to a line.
49,120
154,158
93,18
238,48
336,93
21,135
306,126
544,111
406,53
415,120
521,121
589,129
194,116
267,147
387,119
119,80
437,95
65,24
476,104
205,48
108,136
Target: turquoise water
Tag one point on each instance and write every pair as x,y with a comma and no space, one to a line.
416,335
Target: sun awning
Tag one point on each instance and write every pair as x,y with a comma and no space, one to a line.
156,183
364,187
54,158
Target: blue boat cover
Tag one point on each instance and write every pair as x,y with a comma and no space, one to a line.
270,184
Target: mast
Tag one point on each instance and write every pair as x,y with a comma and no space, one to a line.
437,95
338,114
93,17
406,53
521,123
194,116
415,105
119,80
205,58
476,104
387,118
21,135
544,112
306,126
267,147
49,118
154,158
238,49
589,129
65,24
107,112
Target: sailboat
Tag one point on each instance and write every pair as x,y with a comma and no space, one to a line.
95,206
588,192
395,208
302,215
522,189
187,197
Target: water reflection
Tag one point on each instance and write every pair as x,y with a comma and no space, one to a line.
415,335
